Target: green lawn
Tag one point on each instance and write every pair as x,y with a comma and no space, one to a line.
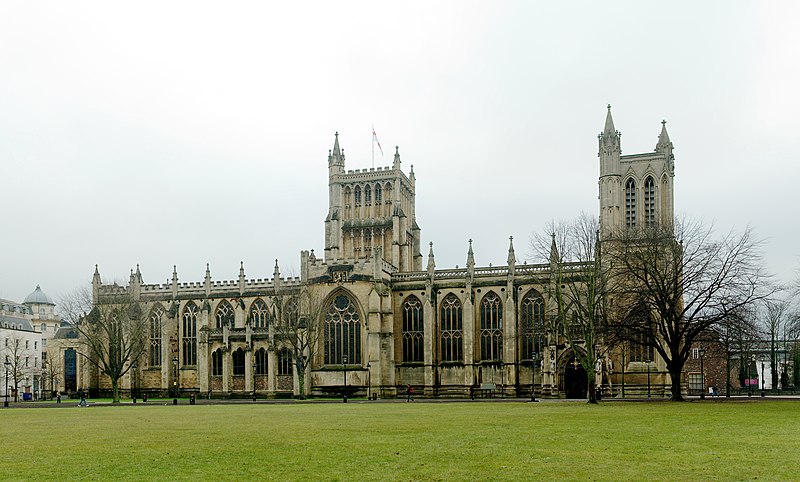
406,441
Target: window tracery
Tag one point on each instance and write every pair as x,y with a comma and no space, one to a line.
189,334
451,329
491,328
259,314
156,319
630,203
413,332
649,201
342,332
532,327
224,314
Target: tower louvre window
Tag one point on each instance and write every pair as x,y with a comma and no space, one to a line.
630,203
649,201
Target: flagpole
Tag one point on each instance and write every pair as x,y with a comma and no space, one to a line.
373,145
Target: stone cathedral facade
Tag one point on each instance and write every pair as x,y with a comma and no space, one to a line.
389,317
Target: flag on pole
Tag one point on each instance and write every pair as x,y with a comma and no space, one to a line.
375,139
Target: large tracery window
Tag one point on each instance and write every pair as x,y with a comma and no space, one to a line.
189,334
531,327
156,319
630,203
649,201
491,328
259,314
450,330
413,331
224,314
216,363
342,332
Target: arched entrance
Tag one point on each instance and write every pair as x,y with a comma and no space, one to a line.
575,379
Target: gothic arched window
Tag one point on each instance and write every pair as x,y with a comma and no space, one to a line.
189,334
378,194
491,328
216,363
649,201
367,195
259,314
413,331
357,195
284,362
261,361
238,362
342,332
388,199
531,325
156,321
450,330
224,314
630,203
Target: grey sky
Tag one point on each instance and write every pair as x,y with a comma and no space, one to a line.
181,133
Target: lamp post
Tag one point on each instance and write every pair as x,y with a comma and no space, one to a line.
763,378
43,378
255,365
623,372
534,358
133,383
344,365
175,380
7,364
369,382
648,377
749,379
502,380
702,352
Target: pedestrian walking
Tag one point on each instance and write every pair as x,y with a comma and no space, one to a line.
409,393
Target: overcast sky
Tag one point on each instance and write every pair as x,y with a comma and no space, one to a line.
188,133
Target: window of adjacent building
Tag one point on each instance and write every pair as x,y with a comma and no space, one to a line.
451,329
491,328
413,330
156,320
27,344
35,345
285,362
641,348
44,327
531,325
216,363
630,203
261,361
695,353
696,381
224,314
189,334
238,362
649,201
259,314
342,332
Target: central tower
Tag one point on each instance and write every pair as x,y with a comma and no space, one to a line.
371,211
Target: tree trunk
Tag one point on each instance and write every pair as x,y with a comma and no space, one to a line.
675,389
592,391
115,389
301,383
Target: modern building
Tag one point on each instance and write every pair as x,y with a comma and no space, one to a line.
389,317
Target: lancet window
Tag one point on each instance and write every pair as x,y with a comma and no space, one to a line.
413,331
261,361
532,327
491,328
451,330
156,319
259,314
284,362
238,362
630,203
378,194
189,334
357,195
216,363
342,332
649,201
224,314
367,195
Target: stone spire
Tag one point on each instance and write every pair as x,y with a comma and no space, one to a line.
241,277
174,281
336,157
431,262
396,164
96,282
512,258
664,145
276,275
207,282
470,257
554,257
609,147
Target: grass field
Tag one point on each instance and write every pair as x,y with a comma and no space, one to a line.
406,441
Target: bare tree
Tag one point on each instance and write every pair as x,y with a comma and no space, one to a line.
18,355
297,327
737,334
50,373
686,281
579,287
775,316
111,330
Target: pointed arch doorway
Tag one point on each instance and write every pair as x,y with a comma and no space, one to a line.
575,379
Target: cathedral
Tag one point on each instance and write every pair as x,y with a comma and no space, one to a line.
388,318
